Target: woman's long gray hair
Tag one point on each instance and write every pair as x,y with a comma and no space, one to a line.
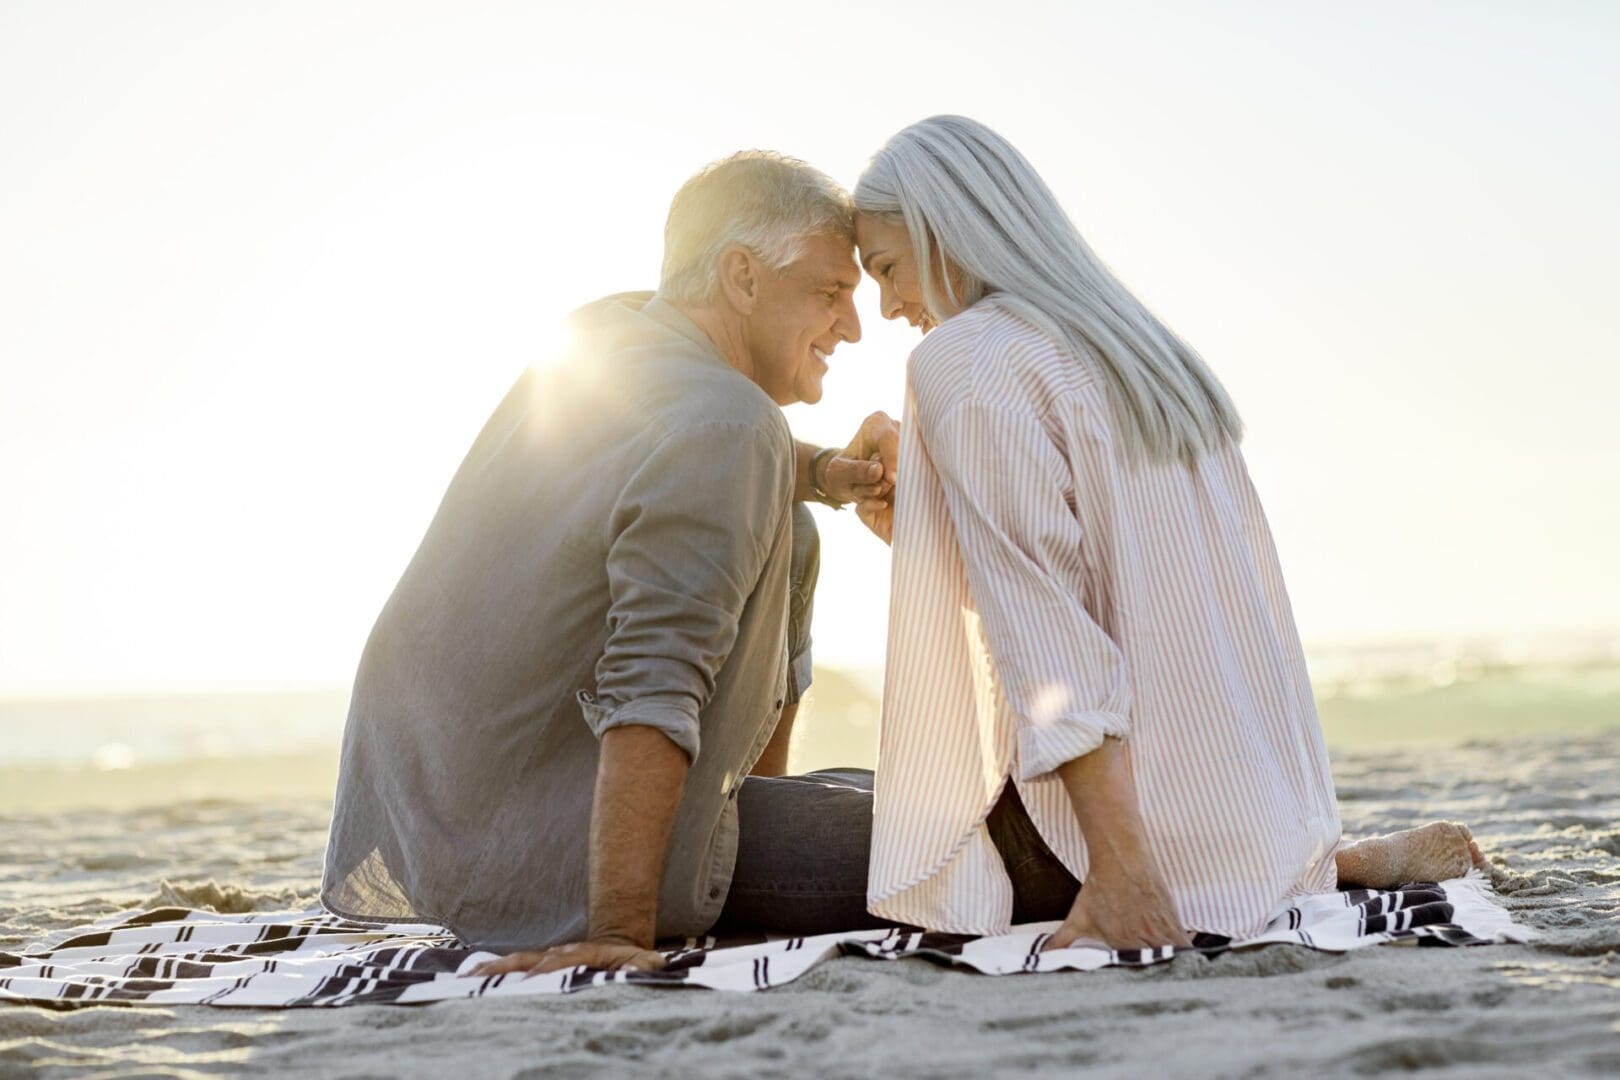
967,197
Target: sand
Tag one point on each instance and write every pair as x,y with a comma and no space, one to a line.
1547,809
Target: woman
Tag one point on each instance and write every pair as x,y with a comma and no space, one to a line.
1088,624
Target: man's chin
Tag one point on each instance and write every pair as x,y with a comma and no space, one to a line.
809,395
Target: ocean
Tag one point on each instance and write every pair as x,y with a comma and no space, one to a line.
1369,697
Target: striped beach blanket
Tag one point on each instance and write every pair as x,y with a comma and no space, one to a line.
178,956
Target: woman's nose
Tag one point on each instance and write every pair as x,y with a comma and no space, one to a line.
889,303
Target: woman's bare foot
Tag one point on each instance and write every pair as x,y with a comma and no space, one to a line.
1434,852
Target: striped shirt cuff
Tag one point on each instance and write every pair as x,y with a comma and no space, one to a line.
1043,747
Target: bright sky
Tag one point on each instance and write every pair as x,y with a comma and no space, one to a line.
265,269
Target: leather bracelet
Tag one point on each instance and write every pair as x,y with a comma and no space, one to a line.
818,492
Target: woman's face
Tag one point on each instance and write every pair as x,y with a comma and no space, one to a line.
886,253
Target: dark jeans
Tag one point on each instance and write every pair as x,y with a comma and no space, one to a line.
802,849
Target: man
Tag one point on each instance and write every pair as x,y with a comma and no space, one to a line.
557,707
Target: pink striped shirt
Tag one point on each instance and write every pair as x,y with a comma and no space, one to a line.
1046,594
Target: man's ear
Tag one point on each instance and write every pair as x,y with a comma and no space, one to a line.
740,278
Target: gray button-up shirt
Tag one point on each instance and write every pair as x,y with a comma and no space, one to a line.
614,550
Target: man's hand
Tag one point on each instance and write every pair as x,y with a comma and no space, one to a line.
604,955
872,458
853,480
639,777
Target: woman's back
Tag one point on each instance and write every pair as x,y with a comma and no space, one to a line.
1048,592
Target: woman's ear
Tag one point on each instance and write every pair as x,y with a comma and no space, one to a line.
740,278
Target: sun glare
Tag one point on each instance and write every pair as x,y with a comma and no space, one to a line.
553,341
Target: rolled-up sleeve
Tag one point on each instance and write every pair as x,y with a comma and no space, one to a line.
689,538
1005,481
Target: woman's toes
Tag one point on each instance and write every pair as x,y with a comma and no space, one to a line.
1461,852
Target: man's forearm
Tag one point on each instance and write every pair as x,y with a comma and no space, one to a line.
638,790
773,761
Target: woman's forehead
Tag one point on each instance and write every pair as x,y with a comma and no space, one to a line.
873,232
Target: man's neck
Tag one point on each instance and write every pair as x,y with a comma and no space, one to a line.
724,331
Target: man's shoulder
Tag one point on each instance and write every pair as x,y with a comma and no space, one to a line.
669,378
728,410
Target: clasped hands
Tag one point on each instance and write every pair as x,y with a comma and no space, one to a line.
864,473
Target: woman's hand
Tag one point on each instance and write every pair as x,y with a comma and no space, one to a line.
1122,907
1124,903
877,514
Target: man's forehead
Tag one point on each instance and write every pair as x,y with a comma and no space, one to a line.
831,258
845,272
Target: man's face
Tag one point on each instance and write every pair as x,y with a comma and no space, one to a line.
804,310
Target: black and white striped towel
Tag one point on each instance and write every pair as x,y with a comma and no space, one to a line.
176,956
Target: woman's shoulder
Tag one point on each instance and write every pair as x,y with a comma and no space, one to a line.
991,352
988,325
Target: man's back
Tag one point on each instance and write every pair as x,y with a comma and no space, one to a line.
613,549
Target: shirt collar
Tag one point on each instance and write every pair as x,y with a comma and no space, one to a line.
667,314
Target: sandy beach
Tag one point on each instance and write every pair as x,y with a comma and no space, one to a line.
1545,807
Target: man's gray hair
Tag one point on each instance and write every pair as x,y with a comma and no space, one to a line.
766,202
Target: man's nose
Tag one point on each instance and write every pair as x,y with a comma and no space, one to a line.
849,321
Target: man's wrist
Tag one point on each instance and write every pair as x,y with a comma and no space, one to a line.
818,489
617,937
622,920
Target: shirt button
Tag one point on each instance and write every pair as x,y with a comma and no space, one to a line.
779,703
714,893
